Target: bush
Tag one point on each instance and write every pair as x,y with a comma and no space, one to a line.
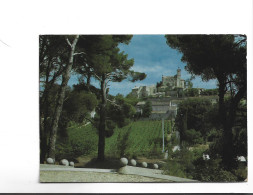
81,141
174,168
193,137
179,163
241,173
211,171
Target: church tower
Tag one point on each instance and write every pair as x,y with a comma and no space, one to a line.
178,77
179,73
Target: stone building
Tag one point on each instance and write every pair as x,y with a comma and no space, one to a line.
169,86
173,81
144,91
161,108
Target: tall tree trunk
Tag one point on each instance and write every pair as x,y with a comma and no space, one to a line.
101,140
229,155
88,81
43,144
44,112
227,118
61,95
227,150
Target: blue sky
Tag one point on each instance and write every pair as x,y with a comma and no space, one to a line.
154,57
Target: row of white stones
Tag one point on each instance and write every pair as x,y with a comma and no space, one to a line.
64,162
124,162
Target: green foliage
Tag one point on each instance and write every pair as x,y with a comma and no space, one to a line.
188,83
190,164
193,114
159,84
120,112
107,63
174,140
208,55
122,142
78,104
147,109
241,173
193,137
140,138
180,163
131,99
174,168
211,171
213,135
221,57
82,140
240,141
210,92
192,92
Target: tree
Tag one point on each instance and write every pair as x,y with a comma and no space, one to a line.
210,92
106,64
147,109
52,60
192,92
188,83
221,57
78,105
192,114
61,95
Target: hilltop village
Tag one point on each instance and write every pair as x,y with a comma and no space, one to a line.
167,94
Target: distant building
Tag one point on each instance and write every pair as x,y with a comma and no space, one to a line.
173,81
166,88
161,108
144,91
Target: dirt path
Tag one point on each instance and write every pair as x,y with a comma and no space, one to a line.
70,176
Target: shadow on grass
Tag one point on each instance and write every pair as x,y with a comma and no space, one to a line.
109,163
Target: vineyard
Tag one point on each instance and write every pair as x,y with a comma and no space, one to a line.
140,138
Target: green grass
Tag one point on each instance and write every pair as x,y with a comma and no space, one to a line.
140,138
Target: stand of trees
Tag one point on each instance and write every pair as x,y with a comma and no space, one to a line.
221,57
96,57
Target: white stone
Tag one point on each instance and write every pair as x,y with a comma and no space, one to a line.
133,162
176,148
206,157
64,162
50,161
155,166
241,158
71,164
166,155
123,161
144,164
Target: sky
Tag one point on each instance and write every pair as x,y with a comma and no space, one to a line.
154,57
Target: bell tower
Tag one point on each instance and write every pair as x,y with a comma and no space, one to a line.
179,73
178,77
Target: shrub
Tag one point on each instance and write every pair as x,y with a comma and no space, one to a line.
81,141
211,171
174,168
193,137
179,163
241,173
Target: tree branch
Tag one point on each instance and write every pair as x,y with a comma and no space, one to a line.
79,53
92,122
97,76
68,42
113,103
